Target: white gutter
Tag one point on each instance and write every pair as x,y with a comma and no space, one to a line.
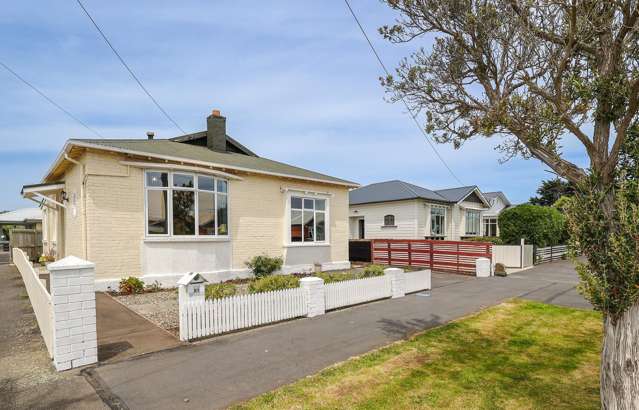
70,143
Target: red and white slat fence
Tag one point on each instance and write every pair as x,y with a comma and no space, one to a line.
440,256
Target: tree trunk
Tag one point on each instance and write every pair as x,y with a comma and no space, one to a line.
620,362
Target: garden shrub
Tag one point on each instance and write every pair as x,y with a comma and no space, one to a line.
220,290
538,225
373,270
264,265
331,277
131,285
495,240
274,282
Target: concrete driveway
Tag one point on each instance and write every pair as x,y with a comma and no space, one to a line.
227,369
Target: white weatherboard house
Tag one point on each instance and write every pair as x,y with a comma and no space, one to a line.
400,210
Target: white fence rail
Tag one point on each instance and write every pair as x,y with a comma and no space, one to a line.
38,295
352,292
215,316
511,255
200,318
551,253
416,281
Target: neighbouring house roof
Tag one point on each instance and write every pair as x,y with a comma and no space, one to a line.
493,195
20,216
397,190
392,191
172,150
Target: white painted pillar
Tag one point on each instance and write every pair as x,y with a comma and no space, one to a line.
313,289
398,282
73,298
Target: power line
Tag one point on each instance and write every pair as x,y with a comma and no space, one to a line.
413,116
49,99
137,80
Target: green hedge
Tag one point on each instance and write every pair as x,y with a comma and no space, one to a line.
220,290
538,225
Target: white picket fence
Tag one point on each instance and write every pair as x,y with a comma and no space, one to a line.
352,292
200,318
416,281
215,316
38,295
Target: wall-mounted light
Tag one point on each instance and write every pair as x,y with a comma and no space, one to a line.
64,196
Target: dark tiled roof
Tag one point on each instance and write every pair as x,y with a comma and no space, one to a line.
492,195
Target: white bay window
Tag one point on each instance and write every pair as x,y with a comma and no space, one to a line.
185,205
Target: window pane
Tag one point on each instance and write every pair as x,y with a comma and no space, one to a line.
222,215
221,185
320,204
206,213
157,179
308,203
296,203
183,181
320,224
183,212
389,220
206,183
308,226
156,205
296,226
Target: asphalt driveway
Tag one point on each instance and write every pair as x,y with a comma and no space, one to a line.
227,369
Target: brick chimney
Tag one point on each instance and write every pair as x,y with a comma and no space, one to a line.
216,132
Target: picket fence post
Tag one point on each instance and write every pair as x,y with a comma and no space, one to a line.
314,295
398,281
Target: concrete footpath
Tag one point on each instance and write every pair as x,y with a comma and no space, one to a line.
27,377
227,369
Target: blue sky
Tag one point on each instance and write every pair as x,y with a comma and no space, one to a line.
295,80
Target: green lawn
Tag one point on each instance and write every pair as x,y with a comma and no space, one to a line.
518,355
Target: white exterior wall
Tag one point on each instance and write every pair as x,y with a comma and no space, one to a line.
406,219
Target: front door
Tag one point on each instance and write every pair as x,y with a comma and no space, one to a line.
361,231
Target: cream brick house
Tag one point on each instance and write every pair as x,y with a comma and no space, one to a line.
202,202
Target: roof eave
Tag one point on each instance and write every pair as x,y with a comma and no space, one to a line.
70,143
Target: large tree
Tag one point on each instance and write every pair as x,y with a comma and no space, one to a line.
550,191
537,73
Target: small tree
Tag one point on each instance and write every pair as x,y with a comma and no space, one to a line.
539,225
534,73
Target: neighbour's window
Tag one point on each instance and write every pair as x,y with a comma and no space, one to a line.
308,219
473,218
490,226
182,204
389,220
437,221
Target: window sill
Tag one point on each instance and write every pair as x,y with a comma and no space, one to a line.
185,239
307,244
388,226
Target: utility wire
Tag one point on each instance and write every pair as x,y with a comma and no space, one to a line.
413,116
49,99
137,80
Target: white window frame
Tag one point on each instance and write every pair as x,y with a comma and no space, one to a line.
385,225
327,218
486,220
479,221
169,206
443,234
